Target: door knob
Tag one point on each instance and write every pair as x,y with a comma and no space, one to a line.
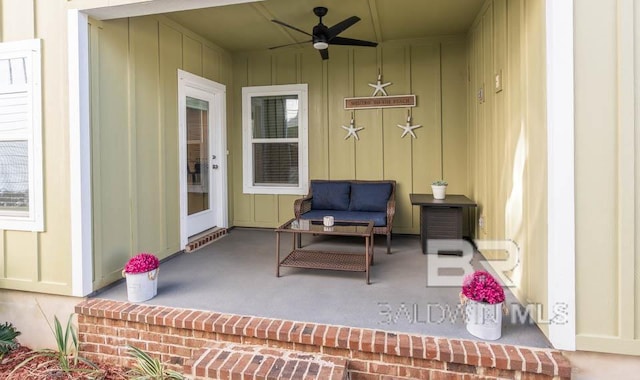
214,166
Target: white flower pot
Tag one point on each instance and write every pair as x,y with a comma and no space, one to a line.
484,320
142,286
438,191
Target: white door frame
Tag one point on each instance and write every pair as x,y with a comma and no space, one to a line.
218,145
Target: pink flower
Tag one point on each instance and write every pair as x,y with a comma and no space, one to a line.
480,286
142,262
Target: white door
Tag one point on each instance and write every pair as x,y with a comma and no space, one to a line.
202,155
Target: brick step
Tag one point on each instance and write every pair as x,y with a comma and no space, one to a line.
225,360
205,238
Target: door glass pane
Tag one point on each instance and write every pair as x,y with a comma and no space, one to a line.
197,155
14,176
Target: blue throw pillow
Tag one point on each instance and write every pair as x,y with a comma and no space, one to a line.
369,196
330,195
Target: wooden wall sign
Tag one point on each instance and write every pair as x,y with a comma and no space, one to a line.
395,101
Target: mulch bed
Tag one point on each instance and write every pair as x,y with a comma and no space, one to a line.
48,368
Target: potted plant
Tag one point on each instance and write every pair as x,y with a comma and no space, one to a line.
483,299
141,273
439,189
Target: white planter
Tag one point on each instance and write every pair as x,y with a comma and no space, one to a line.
142,286
484,320
438,191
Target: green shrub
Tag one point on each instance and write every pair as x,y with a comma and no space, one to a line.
8,335
66,355
148,368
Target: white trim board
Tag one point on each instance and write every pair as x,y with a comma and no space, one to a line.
79,154
561,231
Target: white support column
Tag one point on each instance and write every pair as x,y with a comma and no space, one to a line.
79,153
561,168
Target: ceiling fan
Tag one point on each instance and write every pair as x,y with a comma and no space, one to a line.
323,36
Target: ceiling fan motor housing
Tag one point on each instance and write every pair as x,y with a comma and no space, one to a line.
320,40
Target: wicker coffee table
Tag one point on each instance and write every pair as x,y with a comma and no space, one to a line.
324,259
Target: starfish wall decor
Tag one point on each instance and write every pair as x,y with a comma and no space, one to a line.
352,130
408,128
379,86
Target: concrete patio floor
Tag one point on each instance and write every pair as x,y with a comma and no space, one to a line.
236,274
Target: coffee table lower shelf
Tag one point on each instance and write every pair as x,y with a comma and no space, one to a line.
308,259
323,259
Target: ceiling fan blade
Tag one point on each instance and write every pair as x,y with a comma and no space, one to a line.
341,26
294,43
324,53
351,42
291,27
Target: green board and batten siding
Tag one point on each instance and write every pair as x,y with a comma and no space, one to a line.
135,134
413,67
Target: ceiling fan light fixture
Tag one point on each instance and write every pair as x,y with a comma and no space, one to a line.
320,45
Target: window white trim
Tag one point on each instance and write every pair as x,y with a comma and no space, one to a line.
301,90
33,220
560,165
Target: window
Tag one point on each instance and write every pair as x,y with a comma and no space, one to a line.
21,199
274,125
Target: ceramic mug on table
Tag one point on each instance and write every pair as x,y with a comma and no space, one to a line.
328,221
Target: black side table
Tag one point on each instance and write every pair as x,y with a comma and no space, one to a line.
441,218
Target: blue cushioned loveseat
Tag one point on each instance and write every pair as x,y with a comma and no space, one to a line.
354,200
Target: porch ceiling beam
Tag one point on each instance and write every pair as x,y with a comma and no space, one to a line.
149,7
375,19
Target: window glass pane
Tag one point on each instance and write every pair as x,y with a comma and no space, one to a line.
275,164
275,116
14,176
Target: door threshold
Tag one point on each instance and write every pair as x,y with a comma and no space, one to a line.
204,238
